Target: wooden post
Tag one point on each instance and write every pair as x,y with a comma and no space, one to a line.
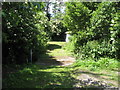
31,55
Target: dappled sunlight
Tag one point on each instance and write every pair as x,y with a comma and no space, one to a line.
55,55
32,77
46,59
58,70
60,45
38,76
98,76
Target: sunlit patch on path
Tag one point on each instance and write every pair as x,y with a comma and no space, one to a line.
61,60
66,60
86,80
56,55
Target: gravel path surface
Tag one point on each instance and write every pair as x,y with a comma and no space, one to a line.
85,80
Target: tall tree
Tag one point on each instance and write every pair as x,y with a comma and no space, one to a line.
22,31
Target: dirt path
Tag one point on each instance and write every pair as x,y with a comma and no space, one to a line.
54,70
88,80
56,55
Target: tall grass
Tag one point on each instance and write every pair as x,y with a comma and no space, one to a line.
102,63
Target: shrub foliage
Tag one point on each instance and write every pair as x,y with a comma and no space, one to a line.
95,29
24,30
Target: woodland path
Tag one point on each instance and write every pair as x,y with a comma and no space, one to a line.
57,56
55,69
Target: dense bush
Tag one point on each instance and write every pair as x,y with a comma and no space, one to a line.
115,33
58,30
23,27
103,63
95,29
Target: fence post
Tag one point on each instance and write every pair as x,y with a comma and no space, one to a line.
31,55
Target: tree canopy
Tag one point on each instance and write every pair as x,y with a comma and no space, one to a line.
27,28
92,26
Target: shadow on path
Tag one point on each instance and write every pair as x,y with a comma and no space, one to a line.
48,60
32,77
53,46
46,74
55,57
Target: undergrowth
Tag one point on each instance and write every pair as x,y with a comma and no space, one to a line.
36,76
102,63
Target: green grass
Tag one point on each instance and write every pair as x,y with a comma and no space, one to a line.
104,68
102,63
56,49
38,76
